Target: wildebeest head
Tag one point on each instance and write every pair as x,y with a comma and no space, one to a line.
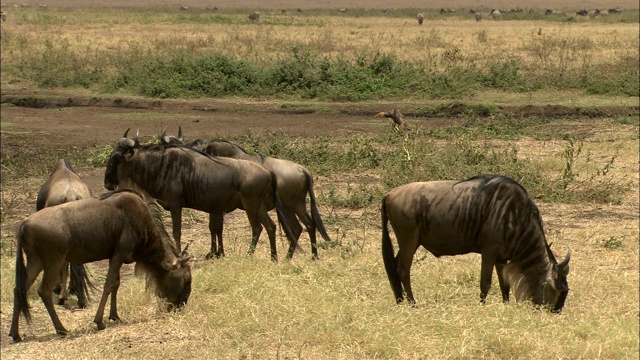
556,293
552,292
175,286
122,152
169,139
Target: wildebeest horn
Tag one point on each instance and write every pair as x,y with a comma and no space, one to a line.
185,257
180,133
163,136
125,133
136,139
563,267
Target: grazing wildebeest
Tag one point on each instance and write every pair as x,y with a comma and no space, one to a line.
615,10
583,12
180,177
420,18
255,16
294,182
64,185
495,14
119,226
488,214
478,16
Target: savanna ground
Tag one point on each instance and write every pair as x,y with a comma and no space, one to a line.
572,142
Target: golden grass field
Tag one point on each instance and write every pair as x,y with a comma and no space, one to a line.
341,306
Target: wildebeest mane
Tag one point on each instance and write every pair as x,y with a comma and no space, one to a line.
150,264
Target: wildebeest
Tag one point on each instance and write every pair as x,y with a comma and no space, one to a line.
447,10
487,214
478,16
64,185
582,12
615,10
495,14
180,177
119,226
294,182
255,16
420,18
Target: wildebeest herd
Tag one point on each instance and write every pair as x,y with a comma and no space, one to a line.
487,214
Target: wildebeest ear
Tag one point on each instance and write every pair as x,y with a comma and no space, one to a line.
170,265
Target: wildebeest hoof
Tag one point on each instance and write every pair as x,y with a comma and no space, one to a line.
16,338
210,256
114,318
61,302
62,332
101,325
82,305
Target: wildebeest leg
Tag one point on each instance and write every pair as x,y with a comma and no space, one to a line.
216,225
295,227
49,280
112,276
113,311
310,225
34,267
263,219
486,271
403,261
64,276
176,224
504,286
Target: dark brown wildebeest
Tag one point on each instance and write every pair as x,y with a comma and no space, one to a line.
119,226
294,183
180,177
582,12
64,185
488,214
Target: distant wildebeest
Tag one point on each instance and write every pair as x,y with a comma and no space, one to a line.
180,177
420,18
488,214
447,10
478,16
615,10
255,16
184,8
294,183
593,13
602,12
343,10
582,12
64,185
495,14
119,226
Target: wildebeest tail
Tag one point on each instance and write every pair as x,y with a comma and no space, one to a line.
388,256
79,283
282,219
315,214
20,301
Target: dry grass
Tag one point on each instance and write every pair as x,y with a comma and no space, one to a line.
341,307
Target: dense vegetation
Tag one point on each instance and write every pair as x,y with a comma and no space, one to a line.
323,68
